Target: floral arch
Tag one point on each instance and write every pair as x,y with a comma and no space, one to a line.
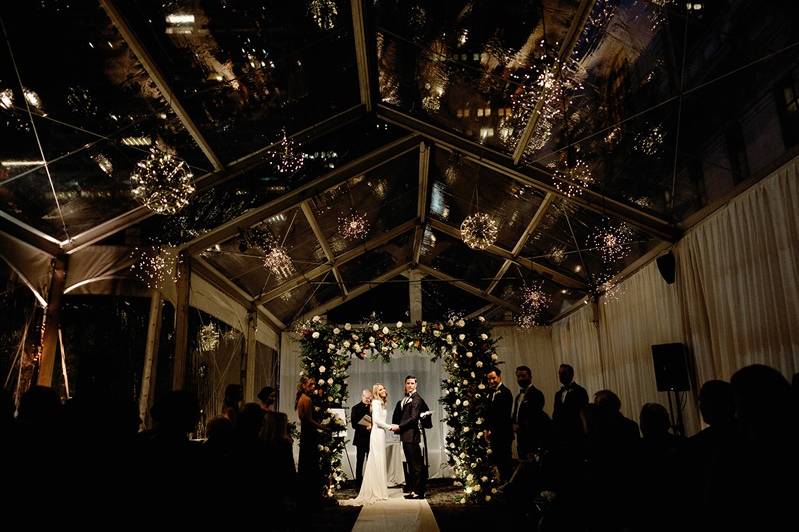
468,353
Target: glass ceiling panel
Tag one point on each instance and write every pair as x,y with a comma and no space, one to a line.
441,300
377,262
244,70
304,298
386,197
389,301
453,257
460,188
460,63
262,184
94,108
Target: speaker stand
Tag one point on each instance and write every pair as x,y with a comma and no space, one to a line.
676,422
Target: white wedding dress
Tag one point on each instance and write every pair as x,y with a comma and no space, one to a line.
375,481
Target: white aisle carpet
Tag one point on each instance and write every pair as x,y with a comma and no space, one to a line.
396,514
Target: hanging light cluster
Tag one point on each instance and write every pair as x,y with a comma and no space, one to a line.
162,182
612,241
610,290
557,254
6,99
572,180
354,226
155,265
209,337
104,163
286,157
650,142
479,230
278,261
323,13
534,302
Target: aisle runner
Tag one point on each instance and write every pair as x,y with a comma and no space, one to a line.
396,514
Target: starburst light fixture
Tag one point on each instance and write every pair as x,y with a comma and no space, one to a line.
323,13
209,337
354,226
479,230
162,182
277,261
572,180
6,98
612,241
155,265
286,157
557,254
534,302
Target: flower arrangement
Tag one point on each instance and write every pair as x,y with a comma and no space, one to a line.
468,352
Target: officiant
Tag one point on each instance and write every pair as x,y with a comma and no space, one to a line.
361,422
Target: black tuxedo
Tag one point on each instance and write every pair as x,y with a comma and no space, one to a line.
498,421
360,440
566,413
407,417
533,423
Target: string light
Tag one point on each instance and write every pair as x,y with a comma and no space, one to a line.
571,180
209,337
286,157
479,230
32,98
154,266
161,182
6,99
323,13
650,142
612,242
354,226
278,261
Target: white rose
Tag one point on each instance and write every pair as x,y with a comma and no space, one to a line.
466,403
450,323
493,490
394,345
494,356
336,330
461,323
321,382
436,333
463,500
385,330
346,344
449,338
424,328
488,498
316,319
471,343
479,421
451,445
489,451
321,369
461,337
484,336
468,490
469,354
476,488
484,479
372,339
331,346
399,324
375,327
330,381
480,434
455,349
462,455
384,349
321,447
371,344
473,375
479,364
315,334
455,365
465,381
470,477
465,429
347,326
424,324
481,386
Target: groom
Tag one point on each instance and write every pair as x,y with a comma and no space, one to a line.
407,422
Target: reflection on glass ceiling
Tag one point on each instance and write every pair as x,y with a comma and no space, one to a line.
95,110
244,70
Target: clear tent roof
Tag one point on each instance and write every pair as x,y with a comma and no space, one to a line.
652,97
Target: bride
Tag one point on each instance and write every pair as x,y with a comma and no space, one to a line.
375,482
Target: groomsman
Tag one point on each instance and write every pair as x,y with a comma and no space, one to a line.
362,433
530,422
499,428
569,401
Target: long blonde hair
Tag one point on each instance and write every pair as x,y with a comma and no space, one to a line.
376,395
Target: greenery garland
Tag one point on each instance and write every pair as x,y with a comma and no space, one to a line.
469,354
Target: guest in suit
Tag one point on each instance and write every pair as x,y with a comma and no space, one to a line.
569,401
361,438
499,426
407,426
530,422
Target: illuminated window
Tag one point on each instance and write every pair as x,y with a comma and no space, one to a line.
466,113
500,112
488,111
460,113
480,112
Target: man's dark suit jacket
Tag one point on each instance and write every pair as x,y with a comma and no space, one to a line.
407,417
532,420
361,438
566,414
498,416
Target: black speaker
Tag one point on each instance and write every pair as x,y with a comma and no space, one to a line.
667,266
671,367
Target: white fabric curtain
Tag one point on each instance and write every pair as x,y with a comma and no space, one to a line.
365,373
646,312
738,273
532,348
575,341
